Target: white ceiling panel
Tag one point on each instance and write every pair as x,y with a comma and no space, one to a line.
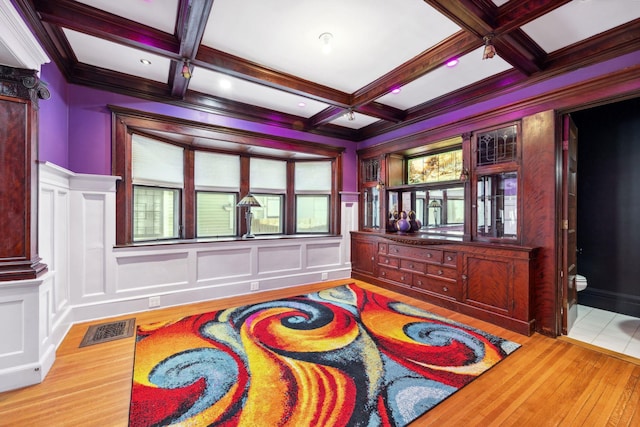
579,20
159,14
224,86
116,57
370,37
471,68
359,121
278,65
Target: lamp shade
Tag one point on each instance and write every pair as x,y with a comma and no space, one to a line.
248,201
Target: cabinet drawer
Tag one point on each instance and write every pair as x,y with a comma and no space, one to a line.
418,267
450,258
387,261
382,248
429,255
395,275
442,271
442,287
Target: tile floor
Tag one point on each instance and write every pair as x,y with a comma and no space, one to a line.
613,331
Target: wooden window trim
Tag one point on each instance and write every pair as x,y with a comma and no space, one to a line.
125,122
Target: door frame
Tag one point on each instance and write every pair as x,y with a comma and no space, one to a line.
567,293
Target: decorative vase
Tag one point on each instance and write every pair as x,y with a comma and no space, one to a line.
393,218
413,222
403,225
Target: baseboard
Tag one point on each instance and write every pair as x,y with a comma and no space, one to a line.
610,301
28,374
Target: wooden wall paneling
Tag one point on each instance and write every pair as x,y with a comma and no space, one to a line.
540,218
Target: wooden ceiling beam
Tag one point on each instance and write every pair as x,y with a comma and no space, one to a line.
476,17
455,46
193,16
223,62
381,111
325,116
95,22
514,14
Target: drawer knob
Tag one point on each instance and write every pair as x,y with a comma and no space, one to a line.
429,255
410,265
440,272
420,282
372,258
449,258
386,261
464,277
444,288
402,278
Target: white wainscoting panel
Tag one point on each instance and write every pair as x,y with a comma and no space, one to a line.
89,278
27,350
224,263
152,271
323,255
12,342
279,259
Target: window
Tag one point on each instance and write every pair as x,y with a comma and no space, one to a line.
441,210
440,167
268,182
157,171
183,180
215,214
217,184
155,213
430,191
313,201
269,217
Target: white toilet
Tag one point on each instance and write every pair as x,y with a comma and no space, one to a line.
581,282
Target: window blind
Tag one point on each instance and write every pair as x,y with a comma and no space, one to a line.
156,163
268,175
313,176
217,171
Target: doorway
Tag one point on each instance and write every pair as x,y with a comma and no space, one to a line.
608,214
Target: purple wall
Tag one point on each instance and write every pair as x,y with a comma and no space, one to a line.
75,124
85,139
54,119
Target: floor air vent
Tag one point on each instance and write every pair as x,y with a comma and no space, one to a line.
111,331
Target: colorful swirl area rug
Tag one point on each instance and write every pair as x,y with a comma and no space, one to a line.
344,356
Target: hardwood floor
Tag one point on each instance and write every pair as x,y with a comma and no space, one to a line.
547,382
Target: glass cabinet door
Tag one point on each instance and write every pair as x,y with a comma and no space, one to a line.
371,208
497,214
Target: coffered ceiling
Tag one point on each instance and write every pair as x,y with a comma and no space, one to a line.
264,60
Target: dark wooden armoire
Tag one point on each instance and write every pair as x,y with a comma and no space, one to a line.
20,91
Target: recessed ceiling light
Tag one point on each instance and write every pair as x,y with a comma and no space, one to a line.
396,91
145,61
301,104
225,84
452,63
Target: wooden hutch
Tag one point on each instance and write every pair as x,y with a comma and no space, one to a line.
443,221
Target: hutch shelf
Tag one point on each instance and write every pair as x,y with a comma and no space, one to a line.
489,281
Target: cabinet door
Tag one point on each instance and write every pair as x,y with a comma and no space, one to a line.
488,283
363,256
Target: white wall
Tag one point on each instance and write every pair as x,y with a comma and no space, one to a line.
89,278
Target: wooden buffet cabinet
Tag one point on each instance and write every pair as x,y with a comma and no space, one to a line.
492,282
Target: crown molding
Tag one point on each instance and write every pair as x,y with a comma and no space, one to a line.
18,46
